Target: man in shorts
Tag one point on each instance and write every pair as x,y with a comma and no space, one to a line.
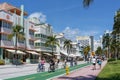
94,63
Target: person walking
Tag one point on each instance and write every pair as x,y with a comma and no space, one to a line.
57,63
39,67
94,63
99,61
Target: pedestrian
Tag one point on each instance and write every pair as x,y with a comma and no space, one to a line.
71,62
58,62
75,62
64,63
99,61
94,63
39,67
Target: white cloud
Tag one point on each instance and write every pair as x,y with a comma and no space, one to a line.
72,33
39,15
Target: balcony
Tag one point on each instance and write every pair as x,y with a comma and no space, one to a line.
7,30
7,44
6,16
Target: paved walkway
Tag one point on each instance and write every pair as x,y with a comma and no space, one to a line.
86,73
11,71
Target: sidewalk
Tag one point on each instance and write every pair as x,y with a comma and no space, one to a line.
85,73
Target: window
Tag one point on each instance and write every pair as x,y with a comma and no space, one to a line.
4,37
37,44
20,41
31,42
31,32
6,24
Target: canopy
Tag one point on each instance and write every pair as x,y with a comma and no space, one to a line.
57,54
72,55
32,52
78,54
65,53
13,51
47,54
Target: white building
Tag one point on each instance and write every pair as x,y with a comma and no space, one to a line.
97,43
73,52
12,16
86,41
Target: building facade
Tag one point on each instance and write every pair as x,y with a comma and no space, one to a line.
11,16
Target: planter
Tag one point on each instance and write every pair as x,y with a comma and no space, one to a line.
2,62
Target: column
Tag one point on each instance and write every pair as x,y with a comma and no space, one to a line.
1,53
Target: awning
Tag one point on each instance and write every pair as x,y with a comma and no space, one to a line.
47,54
64,53
13,51
78,54
57,54
72,55
32,52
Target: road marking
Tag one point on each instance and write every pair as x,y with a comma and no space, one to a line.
30,78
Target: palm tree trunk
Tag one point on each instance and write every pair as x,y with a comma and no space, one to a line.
67,53
108,52
115,53
16,57
52,52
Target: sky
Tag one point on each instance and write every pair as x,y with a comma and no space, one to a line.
70,17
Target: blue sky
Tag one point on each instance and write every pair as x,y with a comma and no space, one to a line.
70,17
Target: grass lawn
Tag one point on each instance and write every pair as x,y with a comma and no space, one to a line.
110,72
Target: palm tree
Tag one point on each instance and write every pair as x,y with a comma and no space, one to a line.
106,42
86,51
116,33
18,34
86,3
52,42
113,48
68,46
99,51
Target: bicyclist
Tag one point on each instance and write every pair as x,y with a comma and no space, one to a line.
52,65
42,62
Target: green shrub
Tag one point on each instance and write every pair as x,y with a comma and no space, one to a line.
2,62
112,59
118,58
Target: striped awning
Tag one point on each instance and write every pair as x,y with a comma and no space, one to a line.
13,51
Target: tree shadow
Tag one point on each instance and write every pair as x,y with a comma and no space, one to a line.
115,76
91,77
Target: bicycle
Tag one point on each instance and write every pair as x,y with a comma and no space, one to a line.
51,68
40,68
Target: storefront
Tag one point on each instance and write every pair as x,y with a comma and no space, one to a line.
33,57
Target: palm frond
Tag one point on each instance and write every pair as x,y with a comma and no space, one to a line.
10,36
86,3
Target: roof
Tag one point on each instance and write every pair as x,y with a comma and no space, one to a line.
8,7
